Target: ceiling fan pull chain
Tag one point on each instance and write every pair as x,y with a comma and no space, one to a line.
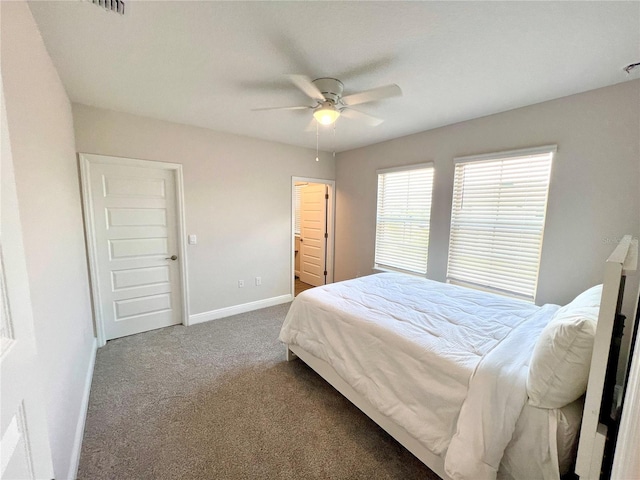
317,140
334,140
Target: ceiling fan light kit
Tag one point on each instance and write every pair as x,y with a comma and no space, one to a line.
326,114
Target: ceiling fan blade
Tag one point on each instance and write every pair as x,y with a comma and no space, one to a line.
297,107
379,93
305,84
358,115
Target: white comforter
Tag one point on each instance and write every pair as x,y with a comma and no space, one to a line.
436,358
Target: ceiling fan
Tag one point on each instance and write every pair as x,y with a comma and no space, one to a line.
330,104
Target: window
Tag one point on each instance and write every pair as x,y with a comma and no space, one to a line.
402,222
497,220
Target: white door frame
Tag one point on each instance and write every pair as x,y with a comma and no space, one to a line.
86,160
330,225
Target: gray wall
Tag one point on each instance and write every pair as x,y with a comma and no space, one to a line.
42,141
593,197
237,199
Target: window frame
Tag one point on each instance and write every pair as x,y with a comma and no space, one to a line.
515,290
384,266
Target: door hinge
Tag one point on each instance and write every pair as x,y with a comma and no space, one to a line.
326,196
326,235
325,273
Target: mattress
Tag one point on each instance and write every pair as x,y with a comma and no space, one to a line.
424,354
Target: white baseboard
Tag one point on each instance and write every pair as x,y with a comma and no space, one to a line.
236,309
82,417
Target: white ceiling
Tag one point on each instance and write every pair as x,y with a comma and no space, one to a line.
209,63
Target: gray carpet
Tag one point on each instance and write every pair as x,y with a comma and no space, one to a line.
219,401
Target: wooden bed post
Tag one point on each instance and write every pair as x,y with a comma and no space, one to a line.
593,433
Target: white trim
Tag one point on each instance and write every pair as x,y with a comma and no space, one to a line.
404,168
82,418
128,162
86,159
87,211
182,235
331,218
508,154
237,309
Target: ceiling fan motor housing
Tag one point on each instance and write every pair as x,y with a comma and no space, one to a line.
330,88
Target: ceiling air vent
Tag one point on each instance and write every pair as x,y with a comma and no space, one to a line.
113,5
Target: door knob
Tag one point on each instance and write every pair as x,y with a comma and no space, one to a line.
172,257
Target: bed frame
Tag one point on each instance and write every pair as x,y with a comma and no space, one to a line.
593,433
327,372
598,402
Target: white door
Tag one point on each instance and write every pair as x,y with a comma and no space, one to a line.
24,441
135,253
313,234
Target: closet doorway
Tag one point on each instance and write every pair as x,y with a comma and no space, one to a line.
313,207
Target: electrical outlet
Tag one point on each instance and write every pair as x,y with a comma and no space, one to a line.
258,281
240,283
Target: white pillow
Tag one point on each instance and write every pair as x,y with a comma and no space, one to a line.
559,368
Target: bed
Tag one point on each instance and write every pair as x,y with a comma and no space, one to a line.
461,377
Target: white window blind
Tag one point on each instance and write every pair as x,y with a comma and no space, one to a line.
497,220
402,222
